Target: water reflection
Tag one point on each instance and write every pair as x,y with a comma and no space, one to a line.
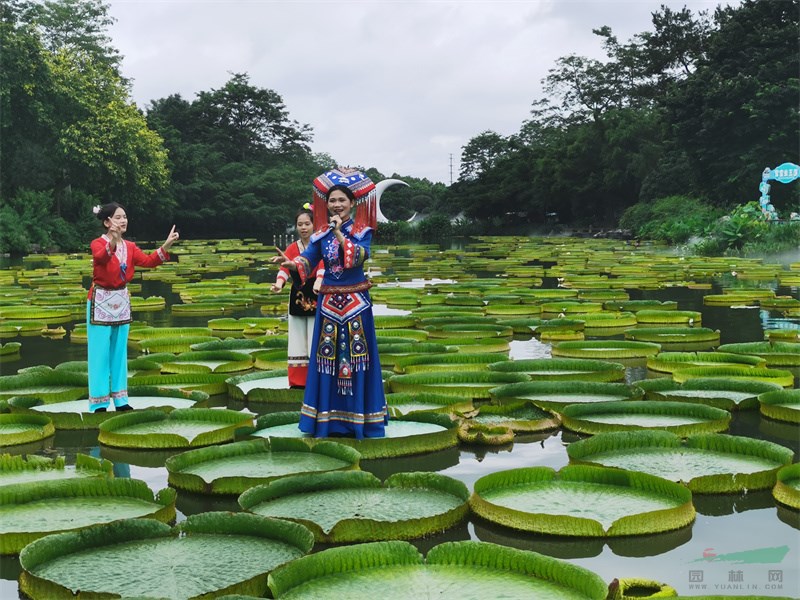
715,505
551,545
189,503
751,423
786,434
10,569
383,468
140,458
458,533
44,446
582,547
650,545
789,516
120,469
70,442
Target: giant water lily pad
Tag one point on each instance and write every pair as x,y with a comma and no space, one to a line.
211,383
48,384
787,486
605,349
558,369
783,405
468,345
708,464
247,325
555,395
635,588
354,506
209,361
403,404
676,338
393,352
18,429
778,354
582,501
233,468
269,359
10,328
234,344
472,432
452,361
39,313
780,377
716,392
10,349
181,428
520,417
73,414
211,553
175,344
16,470
682,418
28,512
451,571
416,433
689,317
669,362
266,386
468,330
465,384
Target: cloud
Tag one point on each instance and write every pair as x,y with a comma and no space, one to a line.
396,85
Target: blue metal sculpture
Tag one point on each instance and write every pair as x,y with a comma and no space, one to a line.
784,173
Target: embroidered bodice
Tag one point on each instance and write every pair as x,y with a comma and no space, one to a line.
344,262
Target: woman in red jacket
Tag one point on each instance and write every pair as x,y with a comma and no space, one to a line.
108,310
302,301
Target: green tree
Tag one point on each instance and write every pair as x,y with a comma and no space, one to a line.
240,165
67,126
733,109
103,138
243,121
481,154
77,26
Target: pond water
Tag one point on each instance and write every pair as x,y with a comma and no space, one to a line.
740,544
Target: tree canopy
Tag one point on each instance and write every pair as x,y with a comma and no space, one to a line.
698,107
693,108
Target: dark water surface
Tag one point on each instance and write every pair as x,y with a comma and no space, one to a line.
692,560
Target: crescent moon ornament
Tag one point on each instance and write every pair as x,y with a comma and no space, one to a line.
381,187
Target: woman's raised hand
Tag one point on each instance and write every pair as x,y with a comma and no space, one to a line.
285,261
171,239
114,234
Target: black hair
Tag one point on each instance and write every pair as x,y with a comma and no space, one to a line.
342,188
305,211
107,211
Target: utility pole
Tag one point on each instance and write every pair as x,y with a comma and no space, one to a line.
451,168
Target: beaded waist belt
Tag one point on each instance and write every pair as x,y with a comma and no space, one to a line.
345,289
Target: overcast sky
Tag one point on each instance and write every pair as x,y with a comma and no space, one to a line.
396,85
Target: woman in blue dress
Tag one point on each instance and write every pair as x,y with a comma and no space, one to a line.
344,390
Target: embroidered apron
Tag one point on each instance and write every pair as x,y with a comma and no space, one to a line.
110,307
341,350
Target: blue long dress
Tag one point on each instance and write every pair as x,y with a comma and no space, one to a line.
344,389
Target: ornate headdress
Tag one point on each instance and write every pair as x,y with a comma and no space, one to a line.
362,188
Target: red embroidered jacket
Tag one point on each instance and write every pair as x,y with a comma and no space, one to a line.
107,271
